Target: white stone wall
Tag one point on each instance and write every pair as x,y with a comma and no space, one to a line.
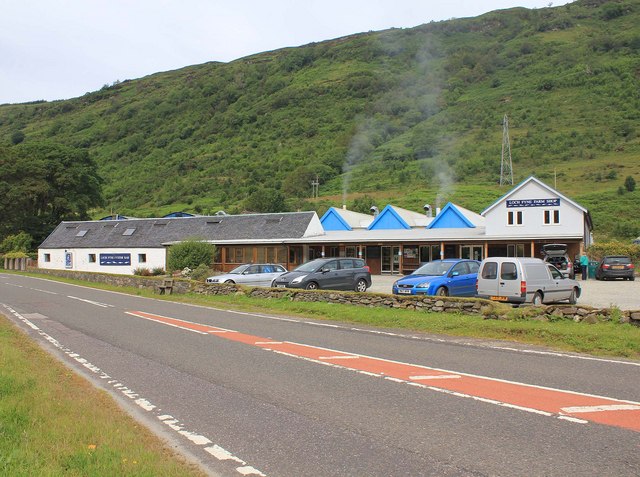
80,259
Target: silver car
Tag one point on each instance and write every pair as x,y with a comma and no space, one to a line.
254,274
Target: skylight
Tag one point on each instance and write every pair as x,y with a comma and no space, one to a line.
128,232
81,233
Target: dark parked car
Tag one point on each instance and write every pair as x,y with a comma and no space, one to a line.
556,255
328,273
615,266
449,277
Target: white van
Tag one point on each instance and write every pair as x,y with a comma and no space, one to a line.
524,280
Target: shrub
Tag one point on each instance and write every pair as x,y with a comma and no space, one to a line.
157,271
630,183
142,271
600,249
190,254
201,272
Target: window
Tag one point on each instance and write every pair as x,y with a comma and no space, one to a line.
555,273
514,217
508,271
346,264
142,258
128,232
47,257
81,233
490,270
473,267
92,258
460,269
552,217
515,250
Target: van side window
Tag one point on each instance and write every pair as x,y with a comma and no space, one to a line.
508,271
555,273
490,270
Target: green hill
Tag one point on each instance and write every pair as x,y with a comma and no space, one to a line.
406,116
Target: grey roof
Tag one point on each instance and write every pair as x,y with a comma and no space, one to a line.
153,233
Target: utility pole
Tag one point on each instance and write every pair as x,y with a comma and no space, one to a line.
506,166
315,187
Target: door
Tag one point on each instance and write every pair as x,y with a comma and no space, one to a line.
471,252
390,258
329,275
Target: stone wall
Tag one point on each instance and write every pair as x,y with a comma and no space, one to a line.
469,306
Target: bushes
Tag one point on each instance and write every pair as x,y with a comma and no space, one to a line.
599,250
190,254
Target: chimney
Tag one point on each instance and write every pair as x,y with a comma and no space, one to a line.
437,210
344,206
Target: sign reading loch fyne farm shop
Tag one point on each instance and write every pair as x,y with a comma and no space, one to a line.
115,259
534,203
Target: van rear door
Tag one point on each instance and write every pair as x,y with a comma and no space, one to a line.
488,279
509,283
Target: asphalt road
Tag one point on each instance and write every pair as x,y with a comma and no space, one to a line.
251,394
600,294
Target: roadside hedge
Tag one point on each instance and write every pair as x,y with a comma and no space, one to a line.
599,250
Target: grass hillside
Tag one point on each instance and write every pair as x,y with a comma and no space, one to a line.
403,116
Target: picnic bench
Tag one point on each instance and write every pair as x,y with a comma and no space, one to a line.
166,287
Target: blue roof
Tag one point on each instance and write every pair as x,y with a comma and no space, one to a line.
388,219
177,215
332,220
450,218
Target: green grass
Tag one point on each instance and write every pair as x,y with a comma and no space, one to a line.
53,422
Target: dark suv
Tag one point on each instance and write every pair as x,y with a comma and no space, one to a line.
330,273
556,255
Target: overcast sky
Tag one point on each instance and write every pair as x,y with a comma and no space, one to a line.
60,49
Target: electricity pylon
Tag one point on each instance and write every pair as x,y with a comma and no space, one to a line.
506,166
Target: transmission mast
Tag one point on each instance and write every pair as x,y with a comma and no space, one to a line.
315,187
506,166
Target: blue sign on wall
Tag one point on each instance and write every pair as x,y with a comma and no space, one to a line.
534,203
115,259
68,260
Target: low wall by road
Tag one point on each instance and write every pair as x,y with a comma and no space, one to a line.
470,306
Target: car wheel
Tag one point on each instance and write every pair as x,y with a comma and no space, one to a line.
573,298
537,299
312,286
230,282
442,291
361,286
632,278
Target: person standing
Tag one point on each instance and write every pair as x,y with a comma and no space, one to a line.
584,265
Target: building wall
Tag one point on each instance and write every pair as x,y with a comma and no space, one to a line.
82,260
571,218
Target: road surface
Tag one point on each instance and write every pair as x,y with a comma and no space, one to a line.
258,394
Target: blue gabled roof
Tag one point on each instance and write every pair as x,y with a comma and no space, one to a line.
177,214
388,219
332,220
450,218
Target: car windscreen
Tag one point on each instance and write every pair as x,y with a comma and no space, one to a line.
433,269
239,270
617,260
311,266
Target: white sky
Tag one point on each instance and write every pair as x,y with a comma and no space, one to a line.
60,49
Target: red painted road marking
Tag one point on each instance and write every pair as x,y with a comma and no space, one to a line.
538,399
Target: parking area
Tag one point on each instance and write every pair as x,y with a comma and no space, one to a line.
623,294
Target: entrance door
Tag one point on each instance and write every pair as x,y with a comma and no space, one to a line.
390,258
472,252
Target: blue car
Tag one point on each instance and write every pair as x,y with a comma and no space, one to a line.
449,277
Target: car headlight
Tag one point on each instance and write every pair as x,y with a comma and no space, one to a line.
395,285
423,285
212,280
298,279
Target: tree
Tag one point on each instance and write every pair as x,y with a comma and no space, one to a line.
20,242
43,183
266,200
190,254
630,183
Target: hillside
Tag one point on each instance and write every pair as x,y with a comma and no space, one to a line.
404,115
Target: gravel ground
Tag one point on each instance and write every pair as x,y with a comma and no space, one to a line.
623,294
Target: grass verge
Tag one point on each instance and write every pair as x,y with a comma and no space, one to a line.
53,422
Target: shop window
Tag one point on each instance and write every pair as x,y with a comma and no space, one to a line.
515,250
47,257
142,258
92,258
350,251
